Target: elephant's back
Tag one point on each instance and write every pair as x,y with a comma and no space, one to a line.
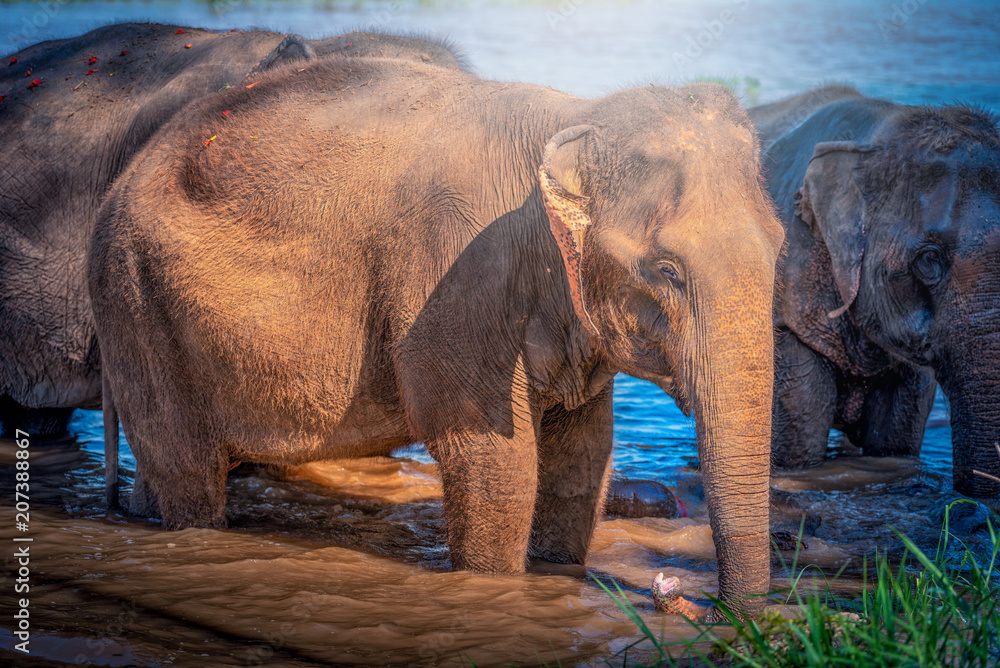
775,119
787,155
642,498
239,237
285,248
332,184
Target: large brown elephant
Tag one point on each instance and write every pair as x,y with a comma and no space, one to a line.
98,99
370,253
891,278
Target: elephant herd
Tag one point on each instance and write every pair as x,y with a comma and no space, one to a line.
256,247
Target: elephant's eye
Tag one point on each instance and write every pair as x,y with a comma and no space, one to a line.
930,265
670,271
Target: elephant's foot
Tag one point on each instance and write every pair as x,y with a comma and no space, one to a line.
143,502
667,598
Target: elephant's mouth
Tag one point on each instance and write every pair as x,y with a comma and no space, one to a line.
671,386
648,353
676,390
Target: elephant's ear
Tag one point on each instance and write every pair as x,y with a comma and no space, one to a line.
830,203
566,206
292,47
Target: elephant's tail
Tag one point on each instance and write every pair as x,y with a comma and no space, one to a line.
110,442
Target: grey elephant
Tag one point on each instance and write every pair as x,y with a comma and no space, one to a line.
373,253
73,113
891,278
642,498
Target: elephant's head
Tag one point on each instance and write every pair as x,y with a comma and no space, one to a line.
911,220
670,243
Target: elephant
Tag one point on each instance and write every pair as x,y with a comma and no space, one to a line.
890,284
642,498
375,252
73,113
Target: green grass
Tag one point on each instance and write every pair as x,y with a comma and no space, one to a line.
923,611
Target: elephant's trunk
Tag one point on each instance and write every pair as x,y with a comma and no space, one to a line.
975,424
971,380
733,344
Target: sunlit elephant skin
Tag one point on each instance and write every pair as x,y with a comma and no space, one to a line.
413,254
98,99
891,279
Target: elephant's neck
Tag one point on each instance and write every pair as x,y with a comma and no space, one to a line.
562,363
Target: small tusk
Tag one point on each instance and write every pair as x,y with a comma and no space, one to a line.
986,475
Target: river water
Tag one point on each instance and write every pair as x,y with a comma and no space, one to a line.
345,562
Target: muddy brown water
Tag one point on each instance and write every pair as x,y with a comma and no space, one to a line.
345,563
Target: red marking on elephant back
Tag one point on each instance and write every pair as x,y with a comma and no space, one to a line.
34,83
89,72
210,140
253,84
188,46
227,112
13,61
123,53
180,31
350,44
27,73
93,59
2,97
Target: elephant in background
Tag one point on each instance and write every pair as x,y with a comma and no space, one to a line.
445,259
891,280
98,99
642,498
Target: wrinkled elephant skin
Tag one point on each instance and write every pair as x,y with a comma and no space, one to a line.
891,280
99,99
373,253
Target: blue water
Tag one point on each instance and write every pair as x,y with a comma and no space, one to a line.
918,51
910,50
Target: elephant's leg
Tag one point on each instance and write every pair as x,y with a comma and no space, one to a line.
805,402
489,485
184,475
39,422
143,500
895,413
574,464
191,494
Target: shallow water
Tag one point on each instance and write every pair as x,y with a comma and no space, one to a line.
345,562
